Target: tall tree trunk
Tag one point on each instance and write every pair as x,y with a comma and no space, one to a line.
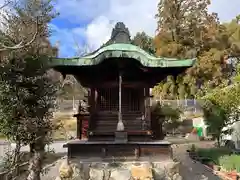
31,147
35,164
218,141
14,171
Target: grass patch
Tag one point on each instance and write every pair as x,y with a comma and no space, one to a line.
230,163
2,136
68,124
222,157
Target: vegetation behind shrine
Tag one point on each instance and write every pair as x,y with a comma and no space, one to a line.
187,30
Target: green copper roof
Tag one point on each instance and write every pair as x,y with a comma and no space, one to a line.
122,50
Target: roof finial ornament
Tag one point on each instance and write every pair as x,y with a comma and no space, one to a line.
120,34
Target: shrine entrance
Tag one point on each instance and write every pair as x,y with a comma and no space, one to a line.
107,109
108,99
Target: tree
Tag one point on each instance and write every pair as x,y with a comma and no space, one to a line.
144,41
221,107
183,25
185,30
32,95
163,115
71,89
215,118
24,82
7,43
233,29
171,117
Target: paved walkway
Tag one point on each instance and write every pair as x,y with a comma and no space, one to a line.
189,169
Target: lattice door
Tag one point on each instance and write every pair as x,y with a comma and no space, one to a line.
108,99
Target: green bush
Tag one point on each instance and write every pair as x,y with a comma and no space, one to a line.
213,153
222,157
230,163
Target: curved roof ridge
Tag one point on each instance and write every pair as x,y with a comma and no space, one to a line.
121,50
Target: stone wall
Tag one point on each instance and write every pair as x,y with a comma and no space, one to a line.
75,170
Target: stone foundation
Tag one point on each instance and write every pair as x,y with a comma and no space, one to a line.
76,170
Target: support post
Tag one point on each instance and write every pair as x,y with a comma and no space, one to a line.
79,127
147,107
120,125
120,134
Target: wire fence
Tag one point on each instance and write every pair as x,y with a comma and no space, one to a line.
187,105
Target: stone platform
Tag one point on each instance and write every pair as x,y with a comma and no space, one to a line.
140,170
109,149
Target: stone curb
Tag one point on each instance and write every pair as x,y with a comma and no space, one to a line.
216,173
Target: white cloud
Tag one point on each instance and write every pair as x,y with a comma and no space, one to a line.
98,32
137,16
99,17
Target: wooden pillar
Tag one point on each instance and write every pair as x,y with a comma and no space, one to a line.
147,107
79,127
92,107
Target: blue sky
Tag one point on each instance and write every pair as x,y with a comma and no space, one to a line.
84,25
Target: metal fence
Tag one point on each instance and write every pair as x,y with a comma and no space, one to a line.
67,105
187,105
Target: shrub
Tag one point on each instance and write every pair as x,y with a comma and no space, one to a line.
222,157
193,148
230,163
213,153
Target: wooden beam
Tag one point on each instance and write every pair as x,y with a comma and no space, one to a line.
116,84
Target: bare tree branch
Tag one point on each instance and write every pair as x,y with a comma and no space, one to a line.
5,5
80,51
20,45
8,2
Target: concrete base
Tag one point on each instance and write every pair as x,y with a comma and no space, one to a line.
77,148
